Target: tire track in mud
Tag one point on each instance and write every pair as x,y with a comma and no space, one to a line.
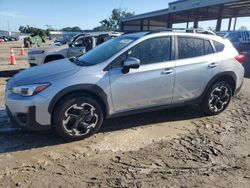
215,154
199,155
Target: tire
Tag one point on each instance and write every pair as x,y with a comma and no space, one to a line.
77,117
217,98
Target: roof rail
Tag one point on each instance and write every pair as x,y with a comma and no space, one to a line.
186,30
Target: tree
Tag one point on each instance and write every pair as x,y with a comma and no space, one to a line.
112,22
32,30
75,28
243,28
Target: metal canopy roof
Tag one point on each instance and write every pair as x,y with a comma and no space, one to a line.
202,10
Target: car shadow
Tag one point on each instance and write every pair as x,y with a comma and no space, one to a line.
17,140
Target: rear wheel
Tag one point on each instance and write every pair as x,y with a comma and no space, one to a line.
77,117
217,98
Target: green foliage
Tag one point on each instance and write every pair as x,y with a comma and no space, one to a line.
76,28
32,30
112,22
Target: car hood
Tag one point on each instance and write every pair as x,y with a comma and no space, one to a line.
45,73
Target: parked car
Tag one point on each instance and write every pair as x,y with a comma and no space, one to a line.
79,45
129,74
10,38
4,38
240,39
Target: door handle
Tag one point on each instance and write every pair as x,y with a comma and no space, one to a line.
167,71
212,65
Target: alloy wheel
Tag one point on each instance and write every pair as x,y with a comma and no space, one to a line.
79,119
219,98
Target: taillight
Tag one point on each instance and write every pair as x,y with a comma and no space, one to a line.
240,58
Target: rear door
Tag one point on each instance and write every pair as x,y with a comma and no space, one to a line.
196,64
149,85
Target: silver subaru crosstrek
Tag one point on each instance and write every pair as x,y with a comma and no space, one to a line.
129,74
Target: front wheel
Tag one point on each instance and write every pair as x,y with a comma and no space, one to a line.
77,117
217,98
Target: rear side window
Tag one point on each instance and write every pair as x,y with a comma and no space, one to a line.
208,48
218,46
190,47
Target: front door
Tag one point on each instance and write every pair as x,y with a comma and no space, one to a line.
151,84
78,47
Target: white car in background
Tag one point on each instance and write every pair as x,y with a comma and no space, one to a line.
78,45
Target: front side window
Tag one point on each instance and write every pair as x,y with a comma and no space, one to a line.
190,47
79,42
154,50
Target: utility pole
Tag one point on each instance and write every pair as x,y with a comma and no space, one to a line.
8,23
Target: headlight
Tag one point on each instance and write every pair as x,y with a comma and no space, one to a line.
29,90
36,52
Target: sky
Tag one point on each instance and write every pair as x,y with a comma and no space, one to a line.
83,13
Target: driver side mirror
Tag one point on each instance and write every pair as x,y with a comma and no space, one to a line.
130,63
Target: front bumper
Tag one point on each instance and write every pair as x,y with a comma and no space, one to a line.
30,113
27,120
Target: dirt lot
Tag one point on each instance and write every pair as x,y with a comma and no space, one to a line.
169,148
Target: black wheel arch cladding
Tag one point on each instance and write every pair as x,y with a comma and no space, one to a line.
228,77
90,89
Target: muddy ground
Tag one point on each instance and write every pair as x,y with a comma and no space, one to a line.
169,148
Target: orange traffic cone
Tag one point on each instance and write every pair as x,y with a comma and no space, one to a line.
22,52
12,57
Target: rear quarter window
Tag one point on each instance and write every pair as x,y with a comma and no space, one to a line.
218,46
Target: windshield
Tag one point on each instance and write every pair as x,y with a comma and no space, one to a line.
106,50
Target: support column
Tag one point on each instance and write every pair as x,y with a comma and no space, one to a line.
122,26
219,19
141,25
170,21
196,20
148,24
235,22
229,24
187,20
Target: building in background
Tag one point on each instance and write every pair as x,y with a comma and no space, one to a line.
189,12
15,34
